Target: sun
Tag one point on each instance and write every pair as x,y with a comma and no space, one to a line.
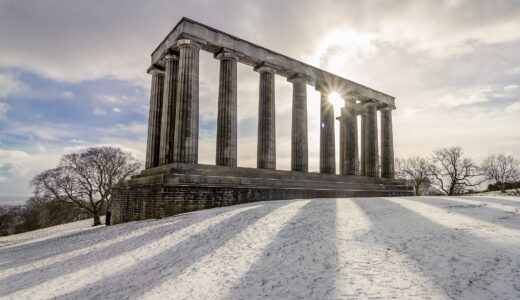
336,101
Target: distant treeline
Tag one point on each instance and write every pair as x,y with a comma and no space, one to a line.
40,213
507,186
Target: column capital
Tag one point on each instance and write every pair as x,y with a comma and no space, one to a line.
155,69
265,67
188,43
320,87
297,77
323,87
386,107
349,98
368,102
171,56
225,53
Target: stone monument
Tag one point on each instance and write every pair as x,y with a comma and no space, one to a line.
174,182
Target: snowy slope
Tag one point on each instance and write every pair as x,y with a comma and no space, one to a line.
413,247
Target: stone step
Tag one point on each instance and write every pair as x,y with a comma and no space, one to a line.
185,179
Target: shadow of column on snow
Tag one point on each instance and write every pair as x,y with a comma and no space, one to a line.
475,211
137,279
462,264
64,267
300,261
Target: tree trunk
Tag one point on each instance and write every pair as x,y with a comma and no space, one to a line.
97,220
417,189
452,190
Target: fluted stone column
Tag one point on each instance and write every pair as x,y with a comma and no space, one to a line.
154,119
387,144
266,151
327,147
227,110
342,140
299,140
168,109
363,168
186,139
350,144
371,143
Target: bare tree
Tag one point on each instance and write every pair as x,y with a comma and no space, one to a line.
416,169
87,179
453,172
502,169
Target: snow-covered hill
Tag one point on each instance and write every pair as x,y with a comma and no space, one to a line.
414,247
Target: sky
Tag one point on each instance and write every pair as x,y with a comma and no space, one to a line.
73,73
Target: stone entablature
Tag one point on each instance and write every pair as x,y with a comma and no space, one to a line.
214,40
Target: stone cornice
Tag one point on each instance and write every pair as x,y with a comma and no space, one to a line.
213,40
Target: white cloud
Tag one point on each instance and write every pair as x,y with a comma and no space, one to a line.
44,132
67,95
116,109
99,111
9,84
464,97
113,98
514,107
4,107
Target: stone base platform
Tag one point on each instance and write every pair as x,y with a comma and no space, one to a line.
176,188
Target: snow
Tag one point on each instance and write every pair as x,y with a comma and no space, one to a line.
47,233
349,248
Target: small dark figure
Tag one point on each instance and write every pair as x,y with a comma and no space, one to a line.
107,218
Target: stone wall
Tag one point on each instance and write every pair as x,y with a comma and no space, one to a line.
160,195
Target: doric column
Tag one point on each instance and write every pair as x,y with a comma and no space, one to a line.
371,147
171,67
327,147
227,110
266,151
363,132
186,139
299,140
154,119
342,140
350,143
387,144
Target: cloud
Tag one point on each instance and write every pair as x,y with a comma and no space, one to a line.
464,97
67,95
9,84
44,132
113,98
99,112
514,107
4,107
